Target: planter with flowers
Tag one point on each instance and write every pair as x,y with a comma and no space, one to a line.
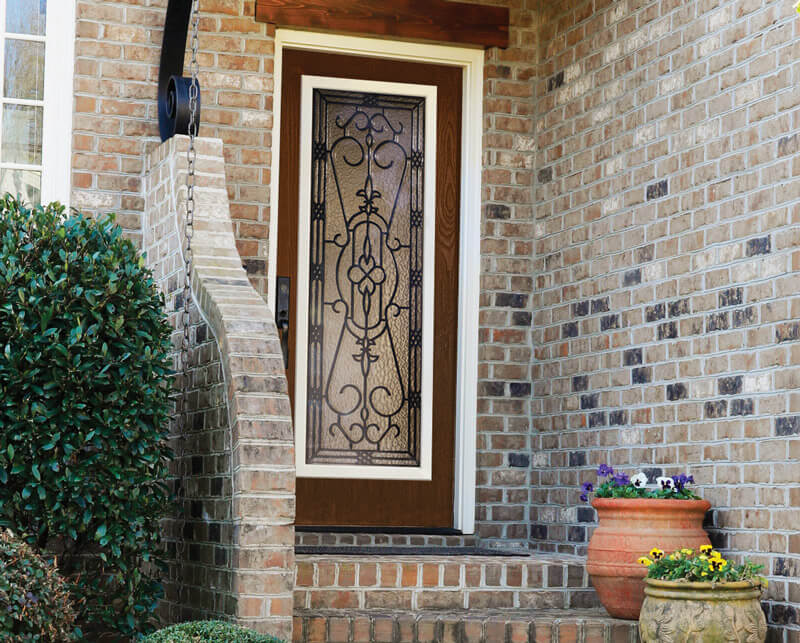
632,519
699,596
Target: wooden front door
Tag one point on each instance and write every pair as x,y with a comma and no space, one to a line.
368,240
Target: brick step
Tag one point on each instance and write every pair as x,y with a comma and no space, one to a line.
441,582
473,626
322,538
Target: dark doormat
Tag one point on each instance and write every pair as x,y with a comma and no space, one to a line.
356,550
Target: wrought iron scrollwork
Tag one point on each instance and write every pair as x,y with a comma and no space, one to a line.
365,269
174,111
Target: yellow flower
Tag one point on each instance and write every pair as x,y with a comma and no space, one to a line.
706,548
687,552
656,553
672,557
645,561
764,581
704,573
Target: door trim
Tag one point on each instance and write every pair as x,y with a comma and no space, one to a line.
384,472
470,60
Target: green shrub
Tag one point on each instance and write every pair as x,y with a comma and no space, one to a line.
208,631
34,600
84,407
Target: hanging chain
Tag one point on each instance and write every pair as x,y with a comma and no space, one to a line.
188,231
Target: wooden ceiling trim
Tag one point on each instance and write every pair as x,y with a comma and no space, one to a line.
435,20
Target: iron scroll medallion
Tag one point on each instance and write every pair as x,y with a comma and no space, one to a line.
173,88
365,298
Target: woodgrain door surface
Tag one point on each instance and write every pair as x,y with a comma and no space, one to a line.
371,331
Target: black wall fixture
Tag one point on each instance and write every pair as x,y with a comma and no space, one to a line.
173,88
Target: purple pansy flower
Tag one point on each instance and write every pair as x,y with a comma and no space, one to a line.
681,480
621,479
604,470
586,487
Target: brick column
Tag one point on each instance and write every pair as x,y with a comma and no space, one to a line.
242,490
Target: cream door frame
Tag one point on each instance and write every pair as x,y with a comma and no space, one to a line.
470,60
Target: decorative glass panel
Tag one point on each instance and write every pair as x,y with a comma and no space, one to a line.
24,69
21,183
22,134
26,16
365,279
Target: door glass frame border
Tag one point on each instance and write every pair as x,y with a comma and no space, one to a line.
471,62
424,470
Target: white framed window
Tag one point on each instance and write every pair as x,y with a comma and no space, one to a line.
36,95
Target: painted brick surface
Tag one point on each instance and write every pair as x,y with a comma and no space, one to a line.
238,450
666,307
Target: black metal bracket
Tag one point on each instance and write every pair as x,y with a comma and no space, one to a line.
173,88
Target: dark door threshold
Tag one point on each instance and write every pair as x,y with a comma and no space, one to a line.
410,531
357,550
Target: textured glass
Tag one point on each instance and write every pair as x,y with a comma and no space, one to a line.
365,288
24,69
22,183
22,135
26,16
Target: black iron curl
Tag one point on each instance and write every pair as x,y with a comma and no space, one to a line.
173,88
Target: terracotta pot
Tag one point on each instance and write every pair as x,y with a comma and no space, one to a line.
629,528
702,612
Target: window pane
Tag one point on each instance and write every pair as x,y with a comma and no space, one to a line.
23,183
26,16
22,134
24,69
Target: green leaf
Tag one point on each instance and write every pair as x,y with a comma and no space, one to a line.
101,531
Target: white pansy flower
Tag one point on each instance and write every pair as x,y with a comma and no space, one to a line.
639,480
665,483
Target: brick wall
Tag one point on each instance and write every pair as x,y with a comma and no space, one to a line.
238,450
116,120
667,246
504,475
202,452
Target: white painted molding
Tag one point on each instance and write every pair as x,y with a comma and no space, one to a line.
59,68
470,60
425,469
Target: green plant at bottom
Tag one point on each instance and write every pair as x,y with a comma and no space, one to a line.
703,566
208,631
35,604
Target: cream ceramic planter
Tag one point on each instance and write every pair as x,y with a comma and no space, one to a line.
682,612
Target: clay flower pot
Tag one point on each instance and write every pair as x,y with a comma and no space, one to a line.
629,528
702,612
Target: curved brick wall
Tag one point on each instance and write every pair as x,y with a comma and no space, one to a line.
240,505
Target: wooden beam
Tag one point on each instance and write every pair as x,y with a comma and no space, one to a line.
437,20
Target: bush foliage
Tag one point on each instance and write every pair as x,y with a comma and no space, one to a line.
217,631
84,407
34,600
